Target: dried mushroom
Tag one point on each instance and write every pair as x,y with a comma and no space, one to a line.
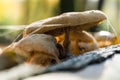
38,49
73,20
81,42
66,23
38,44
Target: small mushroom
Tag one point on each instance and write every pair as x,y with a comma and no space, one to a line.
81,42
65,23
38,49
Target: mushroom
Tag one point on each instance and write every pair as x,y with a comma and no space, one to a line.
66,23
81,42
38,49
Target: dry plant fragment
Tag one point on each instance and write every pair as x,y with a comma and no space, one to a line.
38,49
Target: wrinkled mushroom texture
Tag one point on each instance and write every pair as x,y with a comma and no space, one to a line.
39,48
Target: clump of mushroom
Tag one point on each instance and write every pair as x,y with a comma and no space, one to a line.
69,24
39,46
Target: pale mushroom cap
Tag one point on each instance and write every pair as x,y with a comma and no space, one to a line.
74,20
36,43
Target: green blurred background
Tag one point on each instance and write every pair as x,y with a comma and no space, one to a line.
14,14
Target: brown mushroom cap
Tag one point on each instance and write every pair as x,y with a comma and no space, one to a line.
74,20
37,44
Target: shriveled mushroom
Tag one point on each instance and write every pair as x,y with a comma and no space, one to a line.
64,23
38,49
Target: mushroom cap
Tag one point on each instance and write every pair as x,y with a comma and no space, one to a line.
37,44
74,20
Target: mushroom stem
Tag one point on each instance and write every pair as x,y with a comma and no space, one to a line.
66,42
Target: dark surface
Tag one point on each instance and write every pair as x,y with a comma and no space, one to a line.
80,62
